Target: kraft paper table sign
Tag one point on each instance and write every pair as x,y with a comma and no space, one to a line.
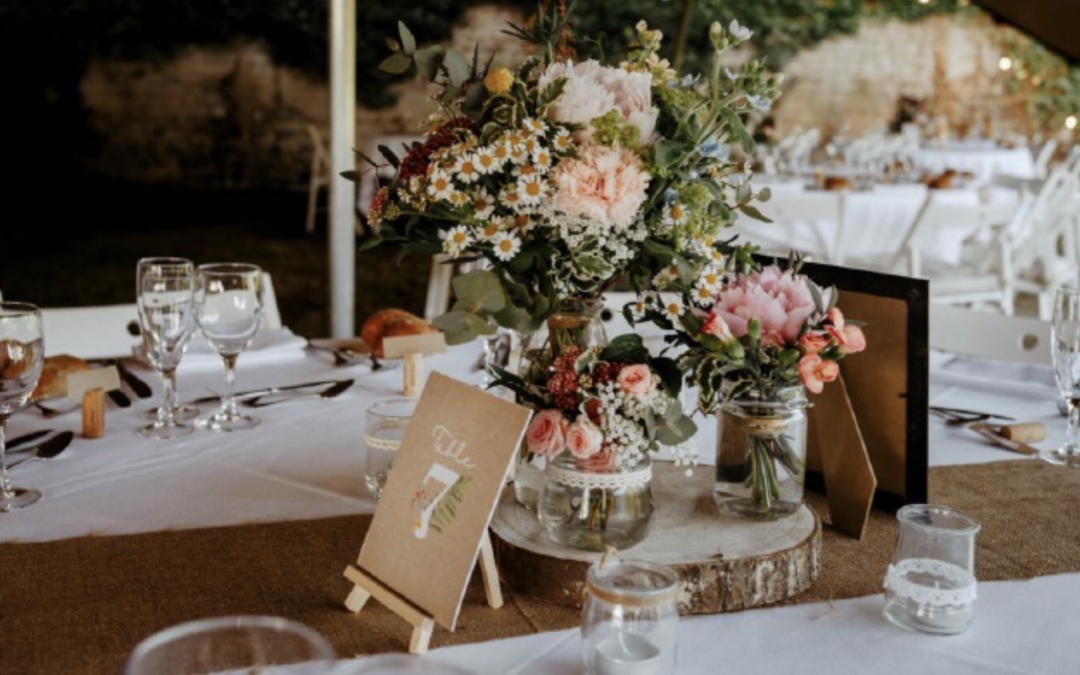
440,496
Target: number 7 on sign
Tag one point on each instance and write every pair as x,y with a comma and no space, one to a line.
448,477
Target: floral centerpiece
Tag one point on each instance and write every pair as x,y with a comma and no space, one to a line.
563,176
753,348
566,175
607,411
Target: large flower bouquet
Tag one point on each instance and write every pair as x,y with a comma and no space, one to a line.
565,176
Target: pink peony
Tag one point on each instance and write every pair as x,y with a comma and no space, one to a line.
593,90
779,300
637,380
547,433
718,328
584,439
849,338
606,185
815,372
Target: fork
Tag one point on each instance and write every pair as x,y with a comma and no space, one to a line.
329,392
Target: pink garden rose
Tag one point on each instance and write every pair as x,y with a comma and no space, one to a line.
547,433
815,372
593,90
850,338
778,299
637,380
607,185
584,438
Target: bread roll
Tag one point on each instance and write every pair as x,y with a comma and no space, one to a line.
837,183
54,374
392,323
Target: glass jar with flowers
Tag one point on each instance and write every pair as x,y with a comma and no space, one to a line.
602,415
754,346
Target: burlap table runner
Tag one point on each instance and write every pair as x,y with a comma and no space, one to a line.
81,605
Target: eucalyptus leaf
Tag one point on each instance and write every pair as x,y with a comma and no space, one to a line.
481,290
428,61
396,64
370,243
754,213
738,130
457,67
408,42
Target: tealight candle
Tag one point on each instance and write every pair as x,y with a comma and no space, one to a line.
630,619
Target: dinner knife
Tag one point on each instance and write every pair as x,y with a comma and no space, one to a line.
26,438
330,392
119,398
272,390
141,388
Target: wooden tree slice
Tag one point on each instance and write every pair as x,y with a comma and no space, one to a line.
725,563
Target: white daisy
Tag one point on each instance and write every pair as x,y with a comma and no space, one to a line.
531,145
466,169
524,223
534,125
563,140
493,227
525,170
506,246
517,153
716,256
510,197
439,185
703,295
542,159
667,276
486,161
459,198
514,140
531,189
675,214
711,277
483,204
673,308
501,153
455,240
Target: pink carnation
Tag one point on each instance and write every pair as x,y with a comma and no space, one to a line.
779,300
546,435
606,185
593,90
850,338
815,372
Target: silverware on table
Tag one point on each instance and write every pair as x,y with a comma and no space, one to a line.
265,391
958,416
265,400
26,438
47,449
136,383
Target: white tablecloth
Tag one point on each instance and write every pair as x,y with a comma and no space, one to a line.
875,223
282,471
984,159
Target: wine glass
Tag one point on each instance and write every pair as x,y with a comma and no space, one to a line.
22,352
233,644
228,309
165,289
1065,351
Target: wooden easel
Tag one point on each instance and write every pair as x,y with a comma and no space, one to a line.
367,586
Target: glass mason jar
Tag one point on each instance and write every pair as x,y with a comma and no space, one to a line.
761,453
630,620
587,508
577,323
930,586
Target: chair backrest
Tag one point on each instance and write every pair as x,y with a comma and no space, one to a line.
969,332
1042,160
104,331
271,314
791,206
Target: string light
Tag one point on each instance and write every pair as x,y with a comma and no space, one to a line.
1070,122
1005,63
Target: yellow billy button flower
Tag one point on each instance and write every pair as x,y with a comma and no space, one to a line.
499,81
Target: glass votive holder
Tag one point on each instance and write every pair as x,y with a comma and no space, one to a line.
233,644
384,428
930,586
630,619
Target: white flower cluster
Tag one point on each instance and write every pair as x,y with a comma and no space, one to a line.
592,240
622,420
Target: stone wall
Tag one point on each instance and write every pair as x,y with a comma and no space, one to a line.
230,117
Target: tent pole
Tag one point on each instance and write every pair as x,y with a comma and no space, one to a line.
342,232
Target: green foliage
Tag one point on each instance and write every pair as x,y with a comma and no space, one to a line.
447,508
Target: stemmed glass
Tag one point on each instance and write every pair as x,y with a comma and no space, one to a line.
228,309
1065,350
165,291
22,351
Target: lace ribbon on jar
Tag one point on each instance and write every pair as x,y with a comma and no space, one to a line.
587,481
962,593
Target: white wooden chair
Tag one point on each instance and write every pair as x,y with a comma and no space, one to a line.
790,210
1043,158
319,178
969,332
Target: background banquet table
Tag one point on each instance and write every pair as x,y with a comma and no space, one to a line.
875,221
983,158
282,471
